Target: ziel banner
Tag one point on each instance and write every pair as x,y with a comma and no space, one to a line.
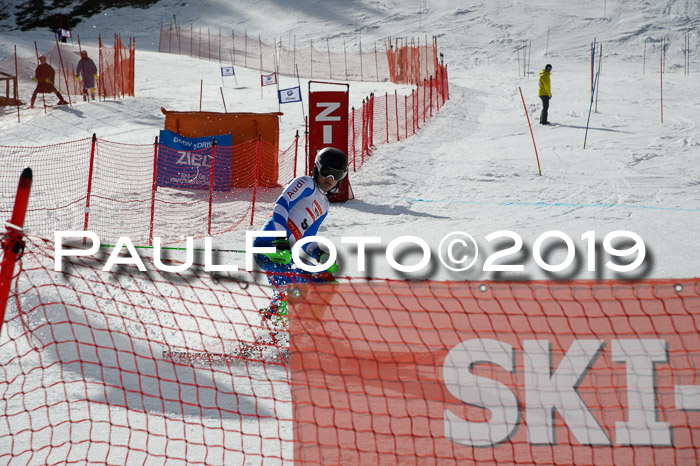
186,162
328,127
523,372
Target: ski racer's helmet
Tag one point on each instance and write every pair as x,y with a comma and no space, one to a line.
331,162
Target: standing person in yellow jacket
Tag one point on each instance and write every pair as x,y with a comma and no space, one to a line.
545,92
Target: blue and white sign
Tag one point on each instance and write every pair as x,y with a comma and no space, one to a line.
227,71
290,95
186,162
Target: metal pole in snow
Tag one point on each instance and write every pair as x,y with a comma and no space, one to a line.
595,83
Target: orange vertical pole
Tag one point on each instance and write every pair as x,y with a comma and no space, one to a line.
101,67
16,94
413,109
405,116
89,186
431,96
153,189
371,120
296,151
354,152
386,114
63,70
211,184
396,104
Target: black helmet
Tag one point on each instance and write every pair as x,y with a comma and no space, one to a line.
548,67
331,162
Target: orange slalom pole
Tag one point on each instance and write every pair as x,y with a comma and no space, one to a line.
531,133
16,92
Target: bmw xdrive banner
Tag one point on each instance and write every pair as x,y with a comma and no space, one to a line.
186,162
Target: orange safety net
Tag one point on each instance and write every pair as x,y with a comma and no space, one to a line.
110,188
390,372
392,118
400,63
115,65
156,367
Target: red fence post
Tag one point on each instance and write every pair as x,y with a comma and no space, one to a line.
413,109
296,150
405,115
354,152
447,84
386,111
13,246
431,96
364,131
89,186
211,183
368,149
133,70
425,100
371,120
153,189
396,104
16,91
63,70
306,145
257,173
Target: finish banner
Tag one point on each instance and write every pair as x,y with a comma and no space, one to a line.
186,162
328,127
602,372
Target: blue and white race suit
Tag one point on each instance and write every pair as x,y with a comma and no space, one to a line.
298,212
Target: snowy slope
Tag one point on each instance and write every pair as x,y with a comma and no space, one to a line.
473,167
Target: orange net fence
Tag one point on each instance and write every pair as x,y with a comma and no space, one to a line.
398,61
391,118
115,69
472,372
151,367
112,188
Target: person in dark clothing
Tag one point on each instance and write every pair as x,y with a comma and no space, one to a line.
44,76
545,93
88,71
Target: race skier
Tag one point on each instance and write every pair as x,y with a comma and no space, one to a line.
545,93
298,212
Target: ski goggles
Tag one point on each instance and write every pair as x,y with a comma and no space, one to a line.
336,173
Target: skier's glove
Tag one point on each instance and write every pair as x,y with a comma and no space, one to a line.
322,257
34,79
283,255
77,78
95,75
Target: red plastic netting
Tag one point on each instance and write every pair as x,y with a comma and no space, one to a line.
463,372
150,367
401,61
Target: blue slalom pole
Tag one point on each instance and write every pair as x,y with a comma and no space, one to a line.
595,84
